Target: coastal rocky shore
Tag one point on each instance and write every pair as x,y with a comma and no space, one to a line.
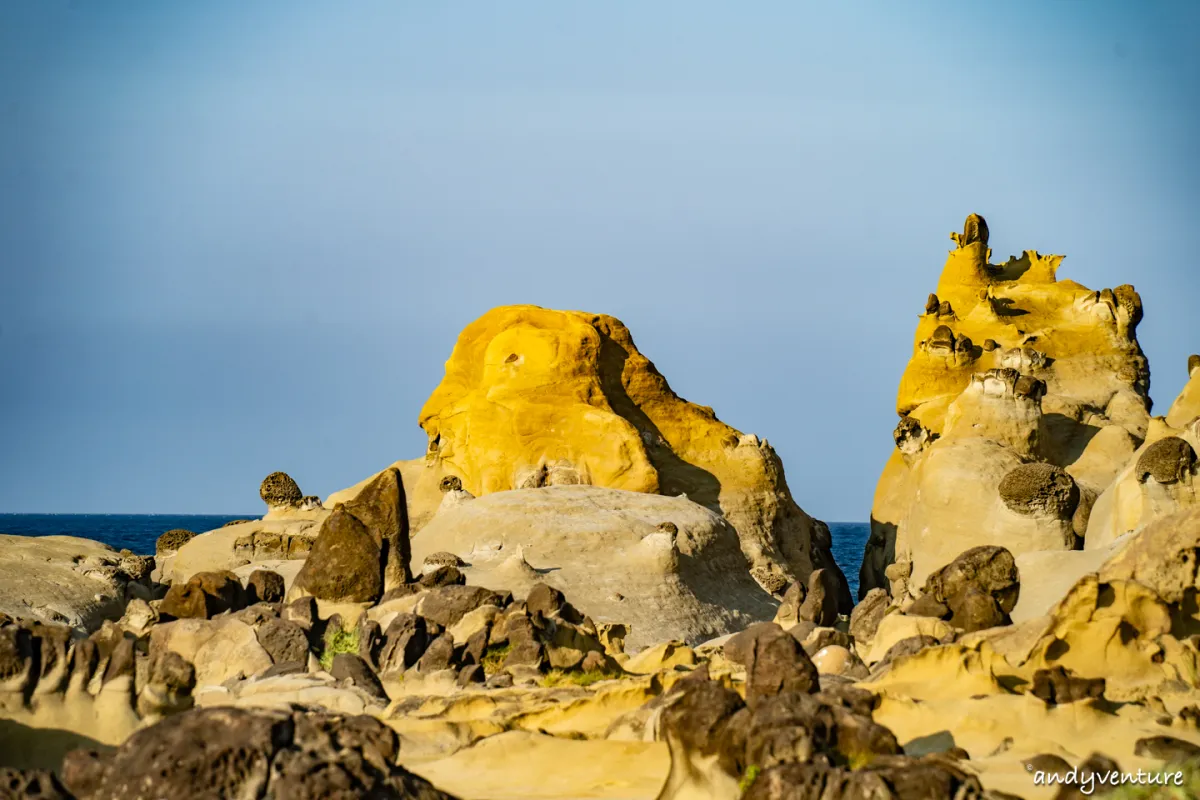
587,586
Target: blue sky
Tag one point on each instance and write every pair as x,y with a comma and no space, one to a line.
237,237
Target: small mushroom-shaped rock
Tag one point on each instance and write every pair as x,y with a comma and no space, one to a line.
1030,387
1040,490
278,490
441,558
1169,460
172,540
450,483
931,305
989,345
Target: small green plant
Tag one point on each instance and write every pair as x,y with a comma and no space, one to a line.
337,642
493,657
748,778
561,677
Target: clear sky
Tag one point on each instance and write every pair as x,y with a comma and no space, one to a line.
241,236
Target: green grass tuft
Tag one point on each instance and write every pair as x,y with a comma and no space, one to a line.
748,778
493,657
559,677
338,642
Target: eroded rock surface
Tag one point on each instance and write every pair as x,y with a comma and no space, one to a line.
1011,443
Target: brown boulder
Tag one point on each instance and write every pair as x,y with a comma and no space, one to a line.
927,606
381,507
866,616
991,569
205,595
446,605
284,641
740,646
232,752
777,663
344,565
264,586
974,610
1058,686
404,643
820,605
438,656
353,669
1166,748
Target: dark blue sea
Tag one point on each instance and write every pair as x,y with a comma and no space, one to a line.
138,532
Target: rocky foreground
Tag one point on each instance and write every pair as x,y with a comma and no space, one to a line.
589,587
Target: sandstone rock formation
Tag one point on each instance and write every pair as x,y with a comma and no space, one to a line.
1007,444
534,398
1157,479
66,579
605,548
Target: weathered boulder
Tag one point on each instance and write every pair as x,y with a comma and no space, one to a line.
382,508
1058,686
173,540
404,642
232,752
278,490
865,618
265,586
446,605
283,641
352,669
990,569
777,663
205,595
821,603
345,564
789,745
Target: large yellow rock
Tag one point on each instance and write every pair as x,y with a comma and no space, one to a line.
534,397
1034,366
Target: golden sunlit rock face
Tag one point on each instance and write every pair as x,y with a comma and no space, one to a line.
1010,366
534,397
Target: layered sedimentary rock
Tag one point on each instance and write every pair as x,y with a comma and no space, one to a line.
1022,399
534,398
669,567
66,579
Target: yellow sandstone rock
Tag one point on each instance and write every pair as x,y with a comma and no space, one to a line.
1011,366
534,397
